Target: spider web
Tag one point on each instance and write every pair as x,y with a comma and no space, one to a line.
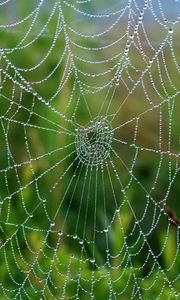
90,149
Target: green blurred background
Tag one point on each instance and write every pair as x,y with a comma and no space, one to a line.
54,261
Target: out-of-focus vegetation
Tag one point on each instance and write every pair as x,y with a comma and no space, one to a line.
33,240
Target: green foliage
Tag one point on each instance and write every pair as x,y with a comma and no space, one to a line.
81,271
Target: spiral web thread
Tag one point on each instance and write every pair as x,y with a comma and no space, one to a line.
89,90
